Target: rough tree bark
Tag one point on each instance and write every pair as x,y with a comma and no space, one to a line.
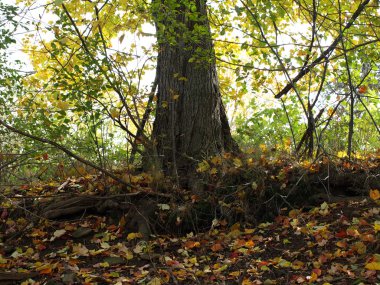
190,121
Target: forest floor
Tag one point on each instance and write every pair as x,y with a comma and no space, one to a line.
329,243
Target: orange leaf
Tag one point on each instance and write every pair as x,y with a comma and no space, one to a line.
374,194
249,244
353,232
239,243
194,198
263,263
362,89
46,271
313,277
216,247
191,244
341,244
368,237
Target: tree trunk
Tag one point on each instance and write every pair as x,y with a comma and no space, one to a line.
190,122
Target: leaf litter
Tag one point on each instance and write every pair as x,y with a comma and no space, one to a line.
332,243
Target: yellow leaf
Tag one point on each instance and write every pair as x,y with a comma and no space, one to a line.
222,268
235,273
324,206
132,236
203,166
360,247
249,231
342,154
284,263
135,178
129,255
29,251
297,264
63,105
114,113
263,147
374,194
20,112
238,163
105,245
324,209
373,266
376,226
246,281
216,160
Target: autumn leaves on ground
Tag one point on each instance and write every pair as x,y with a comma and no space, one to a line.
326,243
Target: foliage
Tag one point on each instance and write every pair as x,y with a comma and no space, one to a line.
93,65
278,41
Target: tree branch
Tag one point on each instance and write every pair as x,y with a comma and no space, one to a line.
324,54
67,151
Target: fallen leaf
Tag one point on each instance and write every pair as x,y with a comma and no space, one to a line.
374,194
59,233
80,250
373,266
46,271
216,247
132,236
192,244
